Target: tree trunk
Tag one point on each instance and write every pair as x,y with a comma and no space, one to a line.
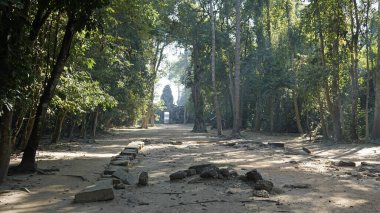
145,117
376,121
322,117
367,42
257,126
154,66
83,131
215,93
17,127
231,88
95,122
58,127
28,162
272,102
336,119
353,70
297,113
325,83
27,132
236,122
11,32
71,133
5,142
289,14
199,124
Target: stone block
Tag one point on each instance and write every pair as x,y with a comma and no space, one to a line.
178,175
100,191
121,163
143,178
129,152
125,177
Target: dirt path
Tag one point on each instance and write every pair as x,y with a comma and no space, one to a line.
332,189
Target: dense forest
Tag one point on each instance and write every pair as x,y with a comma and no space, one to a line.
72,67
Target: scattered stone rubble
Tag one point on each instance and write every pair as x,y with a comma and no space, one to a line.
260,186
115,176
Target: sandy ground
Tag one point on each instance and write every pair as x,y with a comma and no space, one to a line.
333,189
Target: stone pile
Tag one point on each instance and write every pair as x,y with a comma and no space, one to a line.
260,186
115,176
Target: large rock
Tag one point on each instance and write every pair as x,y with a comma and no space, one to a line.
100,191
199,168
209,172
143,178
345,164
264,185
124,177
178,175
191,172
233,173
225,172
253,175
370,167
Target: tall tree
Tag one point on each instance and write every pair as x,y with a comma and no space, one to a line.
376,121
354,57
292,50
236,122
214,90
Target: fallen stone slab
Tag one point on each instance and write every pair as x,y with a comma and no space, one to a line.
112,169
253,175
371,169
121,163
139,143
178,175
129,152
100,191
125,177
344,164
368,164
135,145
120,157
143,179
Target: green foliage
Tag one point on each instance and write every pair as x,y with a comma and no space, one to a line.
78,93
